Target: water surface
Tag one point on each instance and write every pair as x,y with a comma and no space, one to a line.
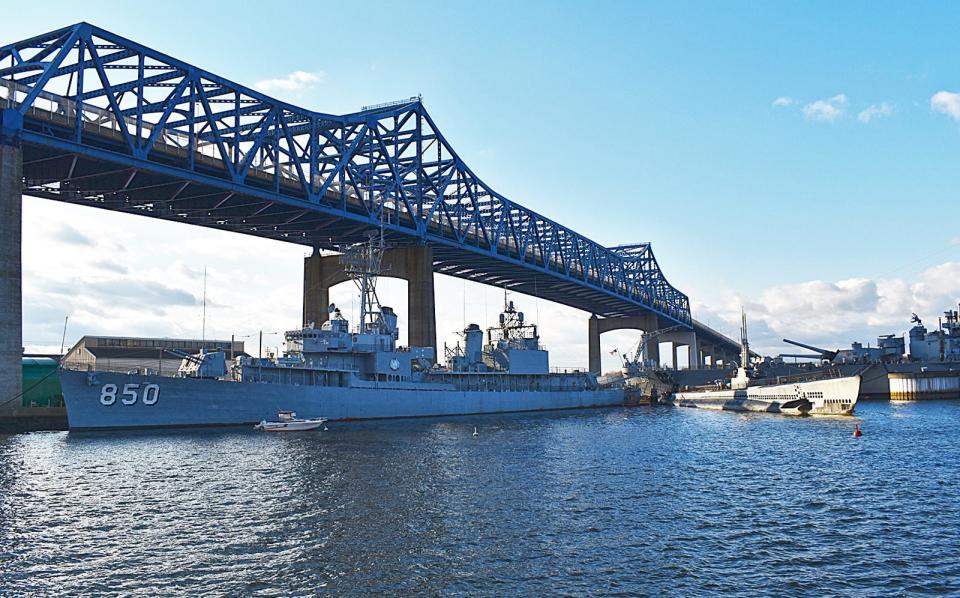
600,502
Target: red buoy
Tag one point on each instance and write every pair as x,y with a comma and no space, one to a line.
856,431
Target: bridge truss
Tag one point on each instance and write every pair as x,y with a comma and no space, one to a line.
107,122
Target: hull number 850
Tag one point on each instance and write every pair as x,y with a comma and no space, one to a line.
130,394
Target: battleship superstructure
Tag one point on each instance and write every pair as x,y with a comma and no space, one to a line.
339,373
942,344
925,346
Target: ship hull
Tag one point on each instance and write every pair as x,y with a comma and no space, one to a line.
837,396
185,402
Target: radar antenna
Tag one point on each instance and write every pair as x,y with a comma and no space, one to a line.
744,344
362,262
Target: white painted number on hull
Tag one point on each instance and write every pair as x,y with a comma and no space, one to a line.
149,394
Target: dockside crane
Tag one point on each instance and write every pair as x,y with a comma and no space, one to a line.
639,358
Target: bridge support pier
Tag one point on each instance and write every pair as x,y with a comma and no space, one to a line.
653,350
11,285
686,339
597,326
413,264
593,344
320,272
706,352
693,352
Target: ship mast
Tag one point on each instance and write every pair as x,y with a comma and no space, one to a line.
362,262
744,344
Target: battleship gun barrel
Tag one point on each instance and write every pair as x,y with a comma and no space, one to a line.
183,355
824,354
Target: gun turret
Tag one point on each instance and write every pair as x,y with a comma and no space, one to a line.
201,365
184,355
824,353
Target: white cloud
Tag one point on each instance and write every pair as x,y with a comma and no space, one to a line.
294,82
782,102
150,289
946,102
834,314
69,234
827,110
875,111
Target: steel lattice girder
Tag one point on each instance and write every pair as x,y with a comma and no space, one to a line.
121,126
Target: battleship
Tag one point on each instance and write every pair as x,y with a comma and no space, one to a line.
926,368
338,373
808,395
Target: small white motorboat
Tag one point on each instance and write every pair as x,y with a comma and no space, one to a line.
288,422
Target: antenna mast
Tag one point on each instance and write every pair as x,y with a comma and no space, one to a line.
363,263
203,329
63,339
744,344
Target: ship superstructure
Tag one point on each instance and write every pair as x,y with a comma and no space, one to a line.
341,372
942,344
512,346
925,345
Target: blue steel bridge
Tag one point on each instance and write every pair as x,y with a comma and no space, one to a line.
106,122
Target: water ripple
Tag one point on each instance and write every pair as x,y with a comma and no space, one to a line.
609,502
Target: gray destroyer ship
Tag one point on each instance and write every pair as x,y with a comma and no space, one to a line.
340,373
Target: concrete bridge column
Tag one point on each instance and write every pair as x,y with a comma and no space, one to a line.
693,353
722,361
593,344
11,285
686,339
420,296
318,273
705,354
676,355
597,326
653,350
413,264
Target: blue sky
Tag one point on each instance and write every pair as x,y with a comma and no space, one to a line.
648,122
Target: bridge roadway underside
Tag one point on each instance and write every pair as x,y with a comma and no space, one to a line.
93,176
149,189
